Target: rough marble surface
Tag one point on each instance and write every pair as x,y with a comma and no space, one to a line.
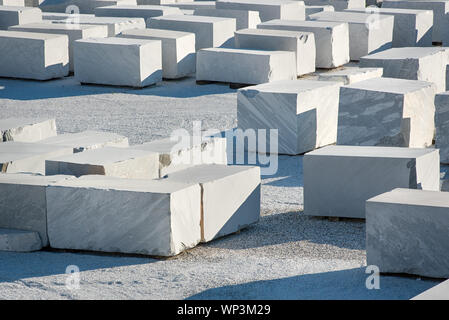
19,241
27,130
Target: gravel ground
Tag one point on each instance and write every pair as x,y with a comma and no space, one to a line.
285,256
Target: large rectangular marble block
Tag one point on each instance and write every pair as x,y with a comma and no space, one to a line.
230,197
19,240
27,130
79,6
154,2
406,232
209,31
268,10
350,75
193,5
305,113
339,179
178,50
442,125
315,9
244,66
146,12
331,39
301,43
14,15
423,63
244,18
73,31
368,33
130,62
412,28
339,5
98,213
23,204
34,56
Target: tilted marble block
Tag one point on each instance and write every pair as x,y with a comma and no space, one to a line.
12,3
315,9
118,61
331,39
305,112
244,18
27,130
230,197
442,125
98,213
301,43
73,31
387,112
19,241
417,63
350,75
209,31
268,10
244,66
406,232
145,12
368,33
12,15
411,27
23,204
339,5
88,140
193,5
178,50
34,56
339,179
439,292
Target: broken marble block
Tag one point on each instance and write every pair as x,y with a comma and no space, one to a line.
368,33
242,66
301,43
439,292
130,62
178,50
268,10
442,125
406,232
209,31
331,39
127,11
107,214
23,204
315,9
34,56
73,31
244,18
305,113
26,130
339,5
417,63
412,28
387,112
19,240
350,75
14,15
339,179
230,197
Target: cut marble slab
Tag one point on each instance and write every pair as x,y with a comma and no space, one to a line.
339,179
244,18
19,240
301,43
107,214
178,50
416,63
27,130
88,140
73,31
315,9
230,197
350,75
439,292
406,232
14,15
12,3
305,113
368,33
442,125
339,5
23,204
34,56
242,66
387,112
331,39
209,31
193,5
118,61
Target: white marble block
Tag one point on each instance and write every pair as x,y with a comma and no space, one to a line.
412,28
53,16
268,10
19,240
244,18
339,179
118,61
12,3
368,33
34,56
387,112
241,66
230,197
79,6
315,9
350,75
442,125
331,39
439,292
193,5
178,50
209,31
406,232
26,130
13,15
301,43
305,113
154,2
98,213
417,63
73,31
145,12
339,5
23,204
